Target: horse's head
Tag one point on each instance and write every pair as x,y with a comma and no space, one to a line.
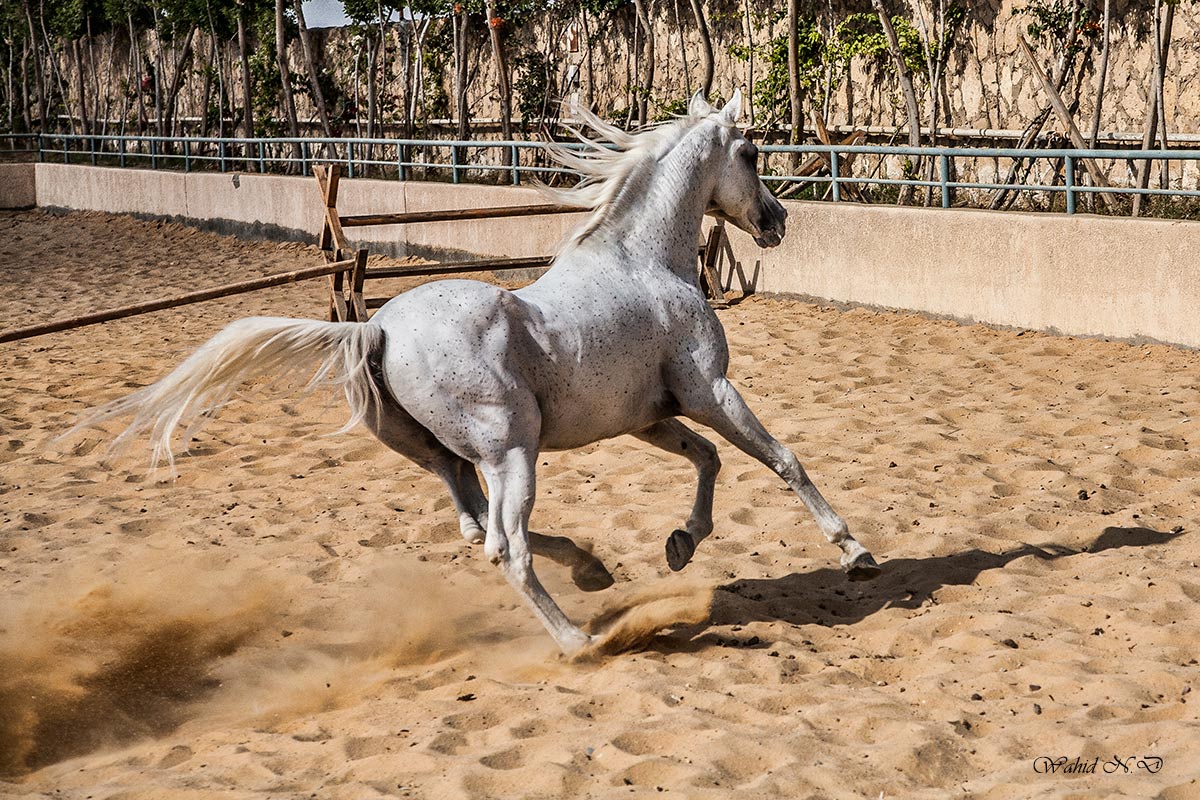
739,195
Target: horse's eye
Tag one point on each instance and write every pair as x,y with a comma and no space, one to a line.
750,152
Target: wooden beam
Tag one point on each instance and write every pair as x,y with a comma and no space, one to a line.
452,215
1064,115
452,267
226,290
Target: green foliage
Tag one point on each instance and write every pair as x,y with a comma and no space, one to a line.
1050,24
670,109
367,12
435,59
264,70
533,84
862,35
772,90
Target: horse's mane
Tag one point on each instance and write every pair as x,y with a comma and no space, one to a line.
610,159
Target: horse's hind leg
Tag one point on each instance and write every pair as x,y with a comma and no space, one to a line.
721,407
510,479
400,432
675,437
587,572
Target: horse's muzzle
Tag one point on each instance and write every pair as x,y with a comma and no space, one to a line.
774,223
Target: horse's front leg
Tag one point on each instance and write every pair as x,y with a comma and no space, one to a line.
720,406
675,437
511,482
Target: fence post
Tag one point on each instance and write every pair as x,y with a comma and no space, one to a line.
833,176
1069,180
40,156
262,159
187,156
453,164
221,150
516,165
304,158
944,168
153,154
399,161
349,159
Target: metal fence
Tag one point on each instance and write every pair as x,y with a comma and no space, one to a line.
1049,179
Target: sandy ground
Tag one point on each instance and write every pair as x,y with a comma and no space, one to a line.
297,616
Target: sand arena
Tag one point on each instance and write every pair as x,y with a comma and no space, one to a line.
297,615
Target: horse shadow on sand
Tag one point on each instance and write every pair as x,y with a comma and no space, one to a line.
825,597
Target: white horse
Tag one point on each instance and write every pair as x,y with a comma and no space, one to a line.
615,338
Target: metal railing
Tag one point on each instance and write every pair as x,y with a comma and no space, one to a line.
945,176
1070,170
398,158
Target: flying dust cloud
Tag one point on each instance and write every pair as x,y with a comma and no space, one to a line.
102,664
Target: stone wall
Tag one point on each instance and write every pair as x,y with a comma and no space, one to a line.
988,84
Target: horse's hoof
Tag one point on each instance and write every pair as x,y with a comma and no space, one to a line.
863,568
680,548
591,576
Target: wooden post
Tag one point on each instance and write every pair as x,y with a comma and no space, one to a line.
358,276
332,240
710,276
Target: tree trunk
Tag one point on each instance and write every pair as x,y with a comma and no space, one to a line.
631,73
311,67
206,89
683,50
247,80
285,80
1148,138
648,58
372,88
56,74
462,50
111,77
1101,75
26,102
11,78
409,91
38,75
793,56
590,92
748,24
81,94
902,75
158,73
930,31
381,63
1164,55
185,55
494,25
706,48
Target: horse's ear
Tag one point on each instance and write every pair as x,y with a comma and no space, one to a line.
698,106
732,111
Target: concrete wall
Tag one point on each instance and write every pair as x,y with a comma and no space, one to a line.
1081,275
17,186
1078,275
280,207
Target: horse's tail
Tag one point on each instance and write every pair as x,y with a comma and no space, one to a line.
255,347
